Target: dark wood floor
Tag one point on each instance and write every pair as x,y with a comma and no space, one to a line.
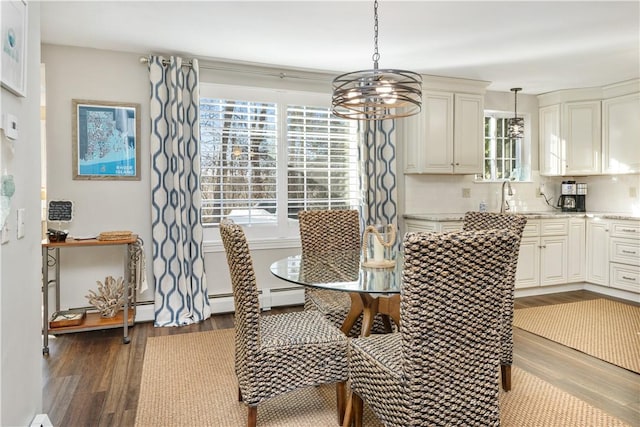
92,379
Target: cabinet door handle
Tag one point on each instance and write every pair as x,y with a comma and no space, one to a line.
628,252
633,279
457,164
628,230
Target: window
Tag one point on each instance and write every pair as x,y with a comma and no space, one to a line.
267,154
503,156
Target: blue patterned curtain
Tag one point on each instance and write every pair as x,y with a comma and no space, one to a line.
181,296
378,172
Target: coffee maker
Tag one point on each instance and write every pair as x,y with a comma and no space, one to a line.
568,196
581,195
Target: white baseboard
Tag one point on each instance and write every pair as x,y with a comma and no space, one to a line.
604,290
544,290
224,303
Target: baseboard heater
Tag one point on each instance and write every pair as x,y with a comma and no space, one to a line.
223,303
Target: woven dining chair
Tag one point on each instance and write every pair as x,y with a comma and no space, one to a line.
325,233
514,223
441,368
275,354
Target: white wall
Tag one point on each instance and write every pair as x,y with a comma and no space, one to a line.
90,74
99,75
20,278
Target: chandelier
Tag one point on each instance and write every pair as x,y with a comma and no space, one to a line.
377,94
515,126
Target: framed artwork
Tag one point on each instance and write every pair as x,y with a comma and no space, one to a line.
106,140
14,46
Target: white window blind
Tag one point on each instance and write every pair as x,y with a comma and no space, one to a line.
322,160
265,158
238,160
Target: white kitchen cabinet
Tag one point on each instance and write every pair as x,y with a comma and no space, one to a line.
624,255
528,270
553,260
581,124
598,251
542,260
434,226
621,134
447,136
468,135
551,144
576,250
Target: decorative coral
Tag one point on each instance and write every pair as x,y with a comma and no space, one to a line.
110,297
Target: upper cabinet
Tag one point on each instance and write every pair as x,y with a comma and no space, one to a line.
590,131
551,143
581,130
447,136
621,134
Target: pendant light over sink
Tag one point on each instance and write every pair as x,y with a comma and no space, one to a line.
515,126
377,94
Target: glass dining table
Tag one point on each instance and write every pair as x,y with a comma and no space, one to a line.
372,290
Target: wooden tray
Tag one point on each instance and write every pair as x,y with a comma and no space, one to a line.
61,319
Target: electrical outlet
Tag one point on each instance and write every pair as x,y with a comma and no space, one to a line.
633,192
466,193
5,235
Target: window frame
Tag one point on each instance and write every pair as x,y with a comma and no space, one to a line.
525,148
283,228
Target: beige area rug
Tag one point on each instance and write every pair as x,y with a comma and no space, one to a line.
608,330
189,380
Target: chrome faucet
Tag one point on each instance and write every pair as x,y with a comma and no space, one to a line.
504,204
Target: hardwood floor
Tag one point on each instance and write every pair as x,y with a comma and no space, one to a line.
92,379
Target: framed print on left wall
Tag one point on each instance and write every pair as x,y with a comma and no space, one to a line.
106,140
14,46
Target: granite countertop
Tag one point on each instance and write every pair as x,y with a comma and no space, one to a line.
441,217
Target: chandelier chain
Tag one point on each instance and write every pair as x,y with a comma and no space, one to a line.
376,54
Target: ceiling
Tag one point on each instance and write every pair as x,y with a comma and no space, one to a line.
539,46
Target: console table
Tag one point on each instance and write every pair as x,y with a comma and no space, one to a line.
92,321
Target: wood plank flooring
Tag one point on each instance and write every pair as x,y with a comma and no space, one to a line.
92,379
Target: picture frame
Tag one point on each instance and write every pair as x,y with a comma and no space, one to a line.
13,46
106,140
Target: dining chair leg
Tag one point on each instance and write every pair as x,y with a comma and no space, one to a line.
252,416
239,395
341,390
505,371
357,409
348,411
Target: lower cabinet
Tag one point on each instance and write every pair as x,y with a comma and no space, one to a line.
429,225
624,255
555,251
542,260
577,250
598,251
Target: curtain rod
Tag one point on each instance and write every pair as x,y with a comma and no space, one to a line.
281,75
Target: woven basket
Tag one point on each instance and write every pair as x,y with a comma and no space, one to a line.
115,235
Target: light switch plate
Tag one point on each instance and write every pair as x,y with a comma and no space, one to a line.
5,235
20,228
10,125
